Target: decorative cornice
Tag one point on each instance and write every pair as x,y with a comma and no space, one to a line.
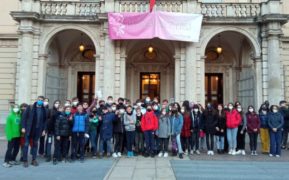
21,15
268,18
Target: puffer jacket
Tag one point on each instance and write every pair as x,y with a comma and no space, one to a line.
149,122
62,125
80,122
210,122
233,119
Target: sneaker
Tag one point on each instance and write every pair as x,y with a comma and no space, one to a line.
186,152
166,155
128,154
160,154
94,156
25,164
283,147
243,152
271,155
233,152
209,153
48,159
114,155
277,156
192,153
255,153
108,154
238,152
197,152
181,156
252,153
119,154
212,153
34,163
14,163
152,155
6,165
230,152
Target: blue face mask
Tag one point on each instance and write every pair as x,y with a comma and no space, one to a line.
67,113
39,102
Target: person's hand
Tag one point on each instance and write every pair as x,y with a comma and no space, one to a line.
192,130
69,138
86,135
255,130
23,130
217,128
96,97
222,130
241,132
274,129
58,138
43,133
100,118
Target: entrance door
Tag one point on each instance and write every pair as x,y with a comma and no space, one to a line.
86,86
214,88
149,85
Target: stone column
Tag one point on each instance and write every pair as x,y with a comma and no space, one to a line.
123,74
42,62
190,72
258,81
177,77
201,80
25,68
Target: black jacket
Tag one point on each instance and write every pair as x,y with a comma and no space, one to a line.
118,126
221,124
30,115
196,121
285,113
210,122
62,125
51,121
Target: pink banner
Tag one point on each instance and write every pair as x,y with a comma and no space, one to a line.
164,25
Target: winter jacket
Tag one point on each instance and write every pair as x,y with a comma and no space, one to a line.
138,123
233,119
196,121
263,119
164,126
275,120
149,122
29,119
51,121
106,127
253,122
13,126
187,124
118,124
62,125
221,124
285,112
80,122
93,123
243,123
127,121
210,122
176,124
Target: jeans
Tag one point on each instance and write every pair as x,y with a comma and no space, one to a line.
164,143
118,142
108,143
12,149
60,147
285,137
41,145
139,141
48,145
275,142
130,135
149,140
220,142
177,139
241,139
78,142
253,141
232,138
195,140
35,138
210,141
265,140
186,145
93,141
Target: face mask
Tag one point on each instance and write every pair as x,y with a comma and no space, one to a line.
275,110
264,112
109,101
182,110
174,111
138,104
164,113
75,103
56,105
113,108
67,104
156,107
196,110
94,111
39,103
230,107
239,109
16,110
251,110
45,103
148,100
67,113
149,110
170,108
121,111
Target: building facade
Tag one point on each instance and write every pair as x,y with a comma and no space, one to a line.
243,53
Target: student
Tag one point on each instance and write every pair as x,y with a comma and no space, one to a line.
264,130
93,123
62,132
186,130
221,126
12,131
33,125
195,129
129,125
285,113
253,127
139,138
149,124
275,122
42,145
23,107
241,131
79,132
177,120
209,125
118,130
233,120
163,133
106,131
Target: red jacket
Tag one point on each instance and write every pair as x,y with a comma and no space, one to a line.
149,122
186,130
233,119
253,122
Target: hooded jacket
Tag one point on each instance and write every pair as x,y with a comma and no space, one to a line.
13,125
233,119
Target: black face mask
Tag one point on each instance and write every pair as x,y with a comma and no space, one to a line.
149,110
94,111
174,111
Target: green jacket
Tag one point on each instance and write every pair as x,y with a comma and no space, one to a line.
13,126
93,123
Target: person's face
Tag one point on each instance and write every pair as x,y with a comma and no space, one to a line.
67,110
85,105
220,108
129,109
80,109
176,106
283,105
138,111
60,109
23,109
105,111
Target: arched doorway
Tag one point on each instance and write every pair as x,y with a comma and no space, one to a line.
150,69
70,67
230,72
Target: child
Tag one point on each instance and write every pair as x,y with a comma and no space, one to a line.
12,130
241,131
106,129
79,132
186,130
163,132
264,129
129,124
253,127
139,139
149,124
62,132
93,123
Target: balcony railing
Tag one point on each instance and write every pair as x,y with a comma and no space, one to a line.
143,6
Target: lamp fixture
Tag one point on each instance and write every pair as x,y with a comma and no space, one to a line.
81,46
150,49
219,48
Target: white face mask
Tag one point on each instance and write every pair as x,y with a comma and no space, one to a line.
156,107
75,103
113,108
138,104
264,112
275,110
251,110
67,104
196,110
230,107
239,109
45,103
15,110
109,101
121,111
164,113
56,105
182,110
148,100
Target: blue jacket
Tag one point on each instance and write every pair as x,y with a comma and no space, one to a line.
80,122
106,127
275,120
264,120
176,124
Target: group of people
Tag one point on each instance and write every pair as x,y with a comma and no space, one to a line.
146,127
